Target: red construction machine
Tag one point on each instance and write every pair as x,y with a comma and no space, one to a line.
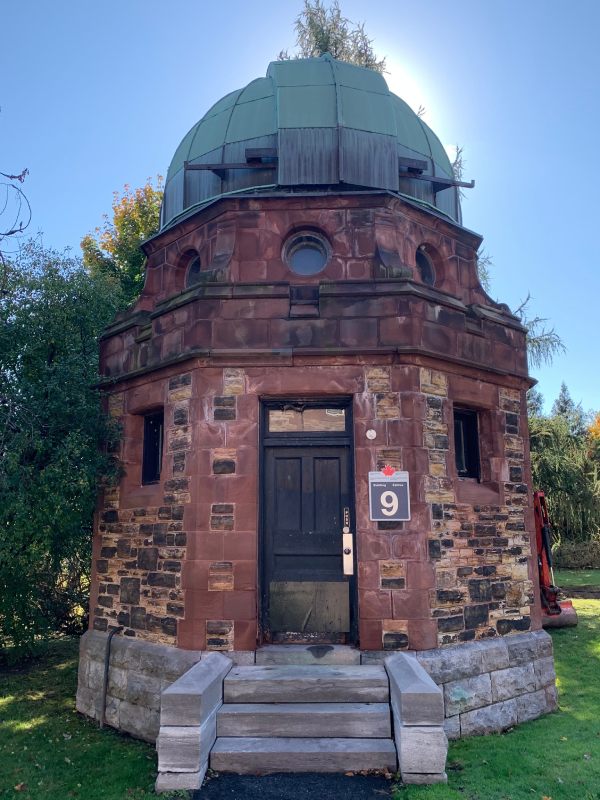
555,613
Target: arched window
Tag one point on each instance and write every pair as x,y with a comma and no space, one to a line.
193,272
425,265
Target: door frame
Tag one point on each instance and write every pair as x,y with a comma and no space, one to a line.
301,439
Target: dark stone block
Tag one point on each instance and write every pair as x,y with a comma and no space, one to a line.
449,596
123,618
171,565
166,579
177,512
441,441
223,466
516,474
169,626
222,508
177,485
487,570
395,641
108,552
221,522
434,402
130,591
462,572
447,542
180,539
180,380
101,566
466,636
180,416
105,600
123,548
505,626
110,516
476,615
159,539
393,583
448,624
176,608
480,590
435,550
437,511
100,624
224,414
112,588
138,618
224,402
498,591
165,512
500,541
147,558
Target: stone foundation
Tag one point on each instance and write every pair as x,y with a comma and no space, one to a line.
488,686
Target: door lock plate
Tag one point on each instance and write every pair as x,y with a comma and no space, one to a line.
347,553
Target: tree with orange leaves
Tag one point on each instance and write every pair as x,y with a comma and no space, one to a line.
114,248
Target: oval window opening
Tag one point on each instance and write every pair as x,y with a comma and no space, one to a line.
193,272
306,254
426,269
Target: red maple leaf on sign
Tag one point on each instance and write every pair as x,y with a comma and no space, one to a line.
387,470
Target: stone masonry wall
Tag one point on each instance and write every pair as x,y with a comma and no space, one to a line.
140,550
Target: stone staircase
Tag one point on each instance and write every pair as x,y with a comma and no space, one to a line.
304,718
301,709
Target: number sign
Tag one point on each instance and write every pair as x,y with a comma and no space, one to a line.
388,497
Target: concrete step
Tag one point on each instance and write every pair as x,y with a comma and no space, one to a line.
252,756
316,654
306,684
305,720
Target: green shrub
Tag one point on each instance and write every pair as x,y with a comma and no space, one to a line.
577,555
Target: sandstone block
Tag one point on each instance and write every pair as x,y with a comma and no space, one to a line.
551,697
452,663
421,749
179,781
526,647
415,698
544,672
494,654
192,698
489,719
507,683
186,749
531,705
424,779
144,690
452,727
139,721
467,694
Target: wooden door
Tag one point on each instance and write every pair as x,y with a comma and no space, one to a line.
307,495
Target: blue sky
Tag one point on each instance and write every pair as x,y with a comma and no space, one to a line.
97,95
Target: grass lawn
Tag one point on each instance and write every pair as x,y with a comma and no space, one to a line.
48,752
555,757
566,578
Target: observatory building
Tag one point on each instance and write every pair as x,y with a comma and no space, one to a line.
324,440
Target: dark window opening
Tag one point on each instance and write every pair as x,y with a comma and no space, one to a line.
193,272
425,266
153,447
466,443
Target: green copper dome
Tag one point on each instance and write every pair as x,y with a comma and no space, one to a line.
315,123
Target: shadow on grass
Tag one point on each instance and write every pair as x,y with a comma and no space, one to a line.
47,751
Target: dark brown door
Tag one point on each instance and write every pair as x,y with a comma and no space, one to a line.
307,493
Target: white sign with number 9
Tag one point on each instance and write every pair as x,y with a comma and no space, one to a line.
389,503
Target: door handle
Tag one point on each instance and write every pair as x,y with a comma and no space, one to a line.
347,553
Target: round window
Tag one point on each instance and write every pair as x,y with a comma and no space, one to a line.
306,253
426,269
193,272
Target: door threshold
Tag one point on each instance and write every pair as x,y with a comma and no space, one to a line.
330,654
